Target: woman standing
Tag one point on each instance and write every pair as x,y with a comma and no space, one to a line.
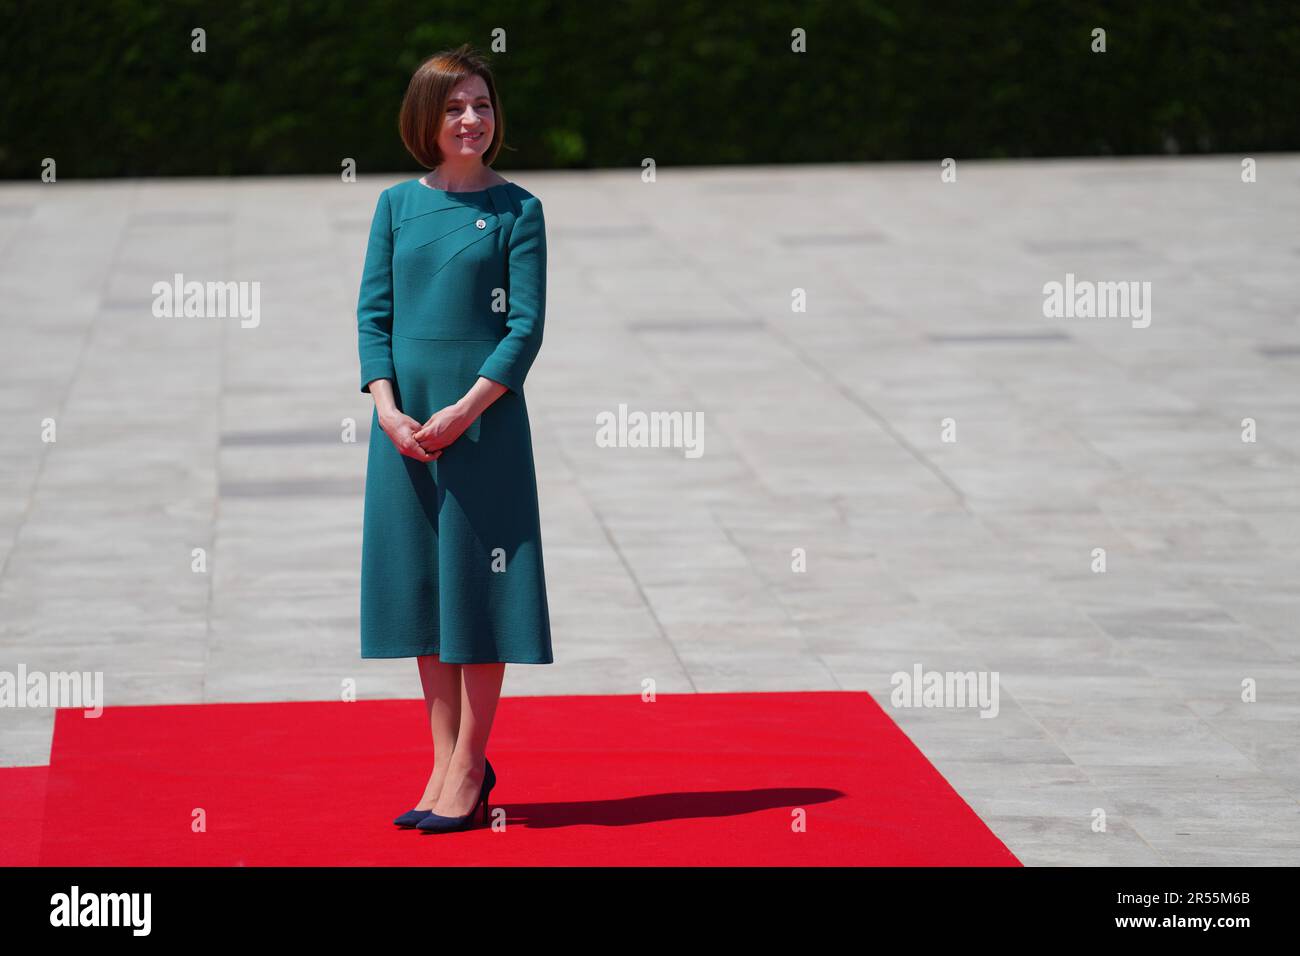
450,315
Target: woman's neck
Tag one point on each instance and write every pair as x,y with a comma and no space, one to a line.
464,178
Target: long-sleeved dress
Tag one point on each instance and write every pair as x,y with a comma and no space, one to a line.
454,287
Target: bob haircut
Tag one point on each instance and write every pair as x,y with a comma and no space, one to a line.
421,117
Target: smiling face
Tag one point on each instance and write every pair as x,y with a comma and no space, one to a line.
467,121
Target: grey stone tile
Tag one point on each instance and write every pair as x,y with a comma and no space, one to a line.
1046,840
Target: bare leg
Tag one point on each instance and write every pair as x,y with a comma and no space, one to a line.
441,684
480,692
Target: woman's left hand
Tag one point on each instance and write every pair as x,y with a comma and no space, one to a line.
442,428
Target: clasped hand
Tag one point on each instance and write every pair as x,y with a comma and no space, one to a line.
425,442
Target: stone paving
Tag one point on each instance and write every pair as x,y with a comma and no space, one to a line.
829,418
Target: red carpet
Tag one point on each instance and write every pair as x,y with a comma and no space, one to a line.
692,779
22,808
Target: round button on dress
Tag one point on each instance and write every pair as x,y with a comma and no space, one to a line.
454,288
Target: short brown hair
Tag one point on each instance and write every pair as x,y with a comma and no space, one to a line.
420,119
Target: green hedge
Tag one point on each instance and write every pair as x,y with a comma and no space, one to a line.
112,89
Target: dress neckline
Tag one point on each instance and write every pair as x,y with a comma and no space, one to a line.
419,181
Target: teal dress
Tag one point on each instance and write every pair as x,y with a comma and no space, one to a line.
454,288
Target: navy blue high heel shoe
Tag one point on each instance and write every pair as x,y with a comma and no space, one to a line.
436,823
411,818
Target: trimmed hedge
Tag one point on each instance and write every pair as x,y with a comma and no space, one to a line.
113,89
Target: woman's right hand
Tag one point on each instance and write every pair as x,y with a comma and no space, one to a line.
400,428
